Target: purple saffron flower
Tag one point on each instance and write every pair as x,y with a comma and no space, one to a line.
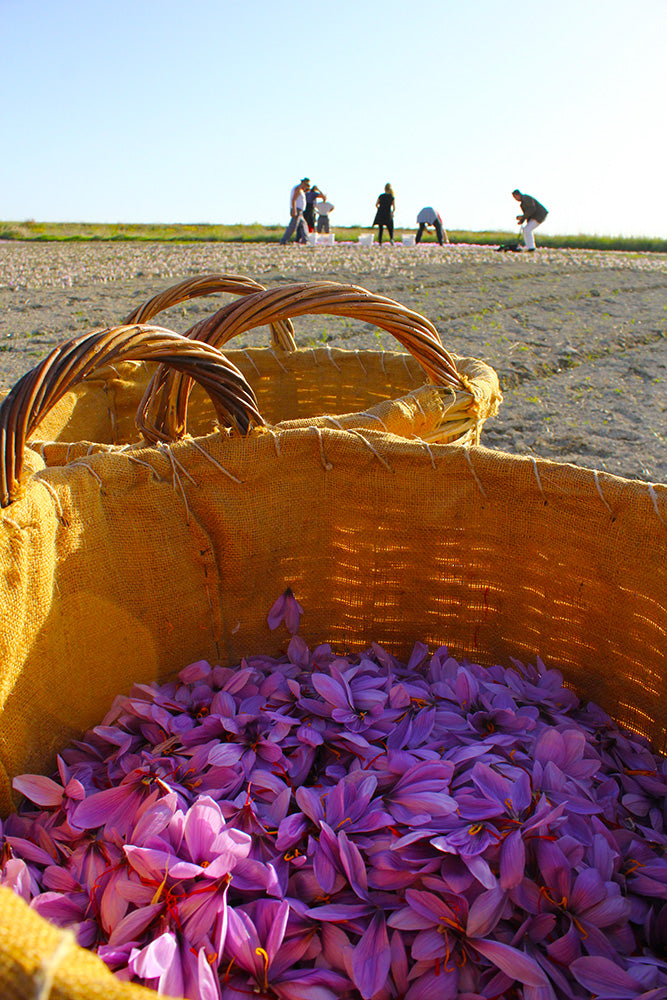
259,947
286,609
448,931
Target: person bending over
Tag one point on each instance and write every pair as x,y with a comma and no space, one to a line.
429,217
532,215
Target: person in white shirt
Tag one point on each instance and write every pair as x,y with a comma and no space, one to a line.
429,217
324,210
297,221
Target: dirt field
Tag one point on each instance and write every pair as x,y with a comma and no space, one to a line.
578,338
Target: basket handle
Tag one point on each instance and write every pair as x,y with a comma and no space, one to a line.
164,409
74,360
282,331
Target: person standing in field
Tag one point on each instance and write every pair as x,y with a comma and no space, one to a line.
384,215
429,217
312,195
297,207
532,215
324,210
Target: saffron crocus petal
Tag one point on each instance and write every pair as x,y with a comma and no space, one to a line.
60,909
293,612
440,985
485,912
29,851
134,924
59,879
354,865
514,963
372,958
491,784
399,963
588,889
113,905
481,870
278,915
512,860
152,864
276,612
406,919
428,905
609,911
315,984
153,960
42,791
206,982
566,949
242,941
430,945
203,823
339,912
605,978
332,692
100,807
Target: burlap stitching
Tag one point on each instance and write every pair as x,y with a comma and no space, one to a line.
374,416
326,464
475,476
214,462
537,475
276,439
365,370
379,457
90,469
337,367
54,496
427,446
599,489
654,501
273,353
249,357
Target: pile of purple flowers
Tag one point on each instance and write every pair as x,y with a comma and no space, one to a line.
319,826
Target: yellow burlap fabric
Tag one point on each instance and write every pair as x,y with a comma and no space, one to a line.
122,565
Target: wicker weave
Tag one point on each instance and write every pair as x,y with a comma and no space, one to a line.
282,332
475,394
70,363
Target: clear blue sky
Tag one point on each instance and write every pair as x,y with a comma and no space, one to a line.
209,110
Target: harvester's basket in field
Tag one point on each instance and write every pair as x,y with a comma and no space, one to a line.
291,384
121,565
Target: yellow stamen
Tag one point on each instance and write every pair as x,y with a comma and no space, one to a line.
263,954
158,891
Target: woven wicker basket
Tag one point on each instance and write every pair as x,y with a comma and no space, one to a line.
130,562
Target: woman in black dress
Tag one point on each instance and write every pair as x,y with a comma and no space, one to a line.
384,215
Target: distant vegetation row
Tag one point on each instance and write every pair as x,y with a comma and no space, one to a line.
205,233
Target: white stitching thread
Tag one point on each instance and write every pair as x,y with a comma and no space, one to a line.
476,477
654,500
599,489
537,475
214,462
326,464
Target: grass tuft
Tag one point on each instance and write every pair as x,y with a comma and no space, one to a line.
256,233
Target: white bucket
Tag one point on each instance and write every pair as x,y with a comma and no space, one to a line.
325,240
312,239
408,239
366,240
